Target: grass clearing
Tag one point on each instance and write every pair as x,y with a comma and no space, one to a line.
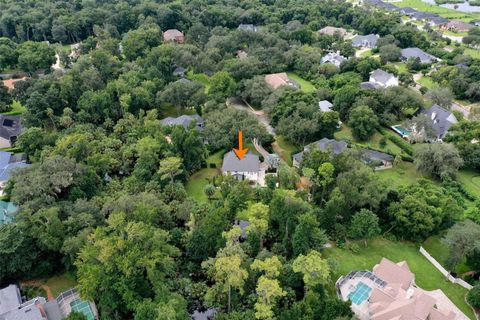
169,110
470,180
60,283
305,86
474,53
440,252
200,77
285,149
197,182
426,276
402,175
444,12
374,142
427,82
17,109
401,67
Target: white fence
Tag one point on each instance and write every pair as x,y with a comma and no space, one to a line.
443,271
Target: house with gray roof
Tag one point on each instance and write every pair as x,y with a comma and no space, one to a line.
368,85
424,57
368,41
407,11
325,106
442,120
383,78
8,163
248,168
437,21
335,147
184,121
334,58
377,158
12,307
179,72
248,27
10,129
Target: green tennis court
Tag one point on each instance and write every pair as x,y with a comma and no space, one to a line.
83,307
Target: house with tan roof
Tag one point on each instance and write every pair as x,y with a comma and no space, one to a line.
389,292
10,83
457,26
331,31
276,80
173,35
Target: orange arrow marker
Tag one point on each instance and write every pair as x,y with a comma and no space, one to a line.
240,152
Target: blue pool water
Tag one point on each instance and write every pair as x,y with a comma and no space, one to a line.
361,293
402,131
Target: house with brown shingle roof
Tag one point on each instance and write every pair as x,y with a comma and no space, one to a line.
389,292
457,26
10,83
276,80
173,35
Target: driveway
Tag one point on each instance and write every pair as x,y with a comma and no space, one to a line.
461,109
259,114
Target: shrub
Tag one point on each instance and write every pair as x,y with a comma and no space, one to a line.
212,165
473,297
353,247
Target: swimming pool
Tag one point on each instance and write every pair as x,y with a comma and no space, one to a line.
361,293
83,307
401,131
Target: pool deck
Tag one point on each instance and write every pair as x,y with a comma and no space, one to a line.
361,310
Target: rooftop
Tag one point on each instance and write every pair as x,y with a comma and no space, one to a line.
183,120
381,76
249,163
276,80
442,119
418,53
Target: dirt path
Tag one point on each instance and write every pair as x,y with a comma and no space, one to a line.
36,283
259,114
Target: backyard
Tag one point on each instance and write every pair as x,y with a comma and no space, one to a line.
427,82
470,180
426,276
17,109
57,284
197,181
305,85
439,251
285,149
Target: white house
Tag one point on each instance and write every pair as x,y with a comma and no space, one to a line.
334,58
246,169
383,78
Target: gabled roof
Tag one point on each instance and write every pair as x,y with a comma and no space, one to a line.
368,85
10,126
381,76
329,30
276,80
334,146
247,27
9,298
183,120
333,57
172,34
394,273
376,155
418,53
458,24
325,106
370,40
407,11
438,20
9,162
249,163
442,119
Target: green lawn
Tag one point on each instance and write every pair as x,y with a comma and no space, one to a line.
60,283
169,110
401,66
402,175
374,142
200,77
285,149
17,109
427,82
439,251
444,12
197,182
426,276
366,54
474,53
305,86
470,180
